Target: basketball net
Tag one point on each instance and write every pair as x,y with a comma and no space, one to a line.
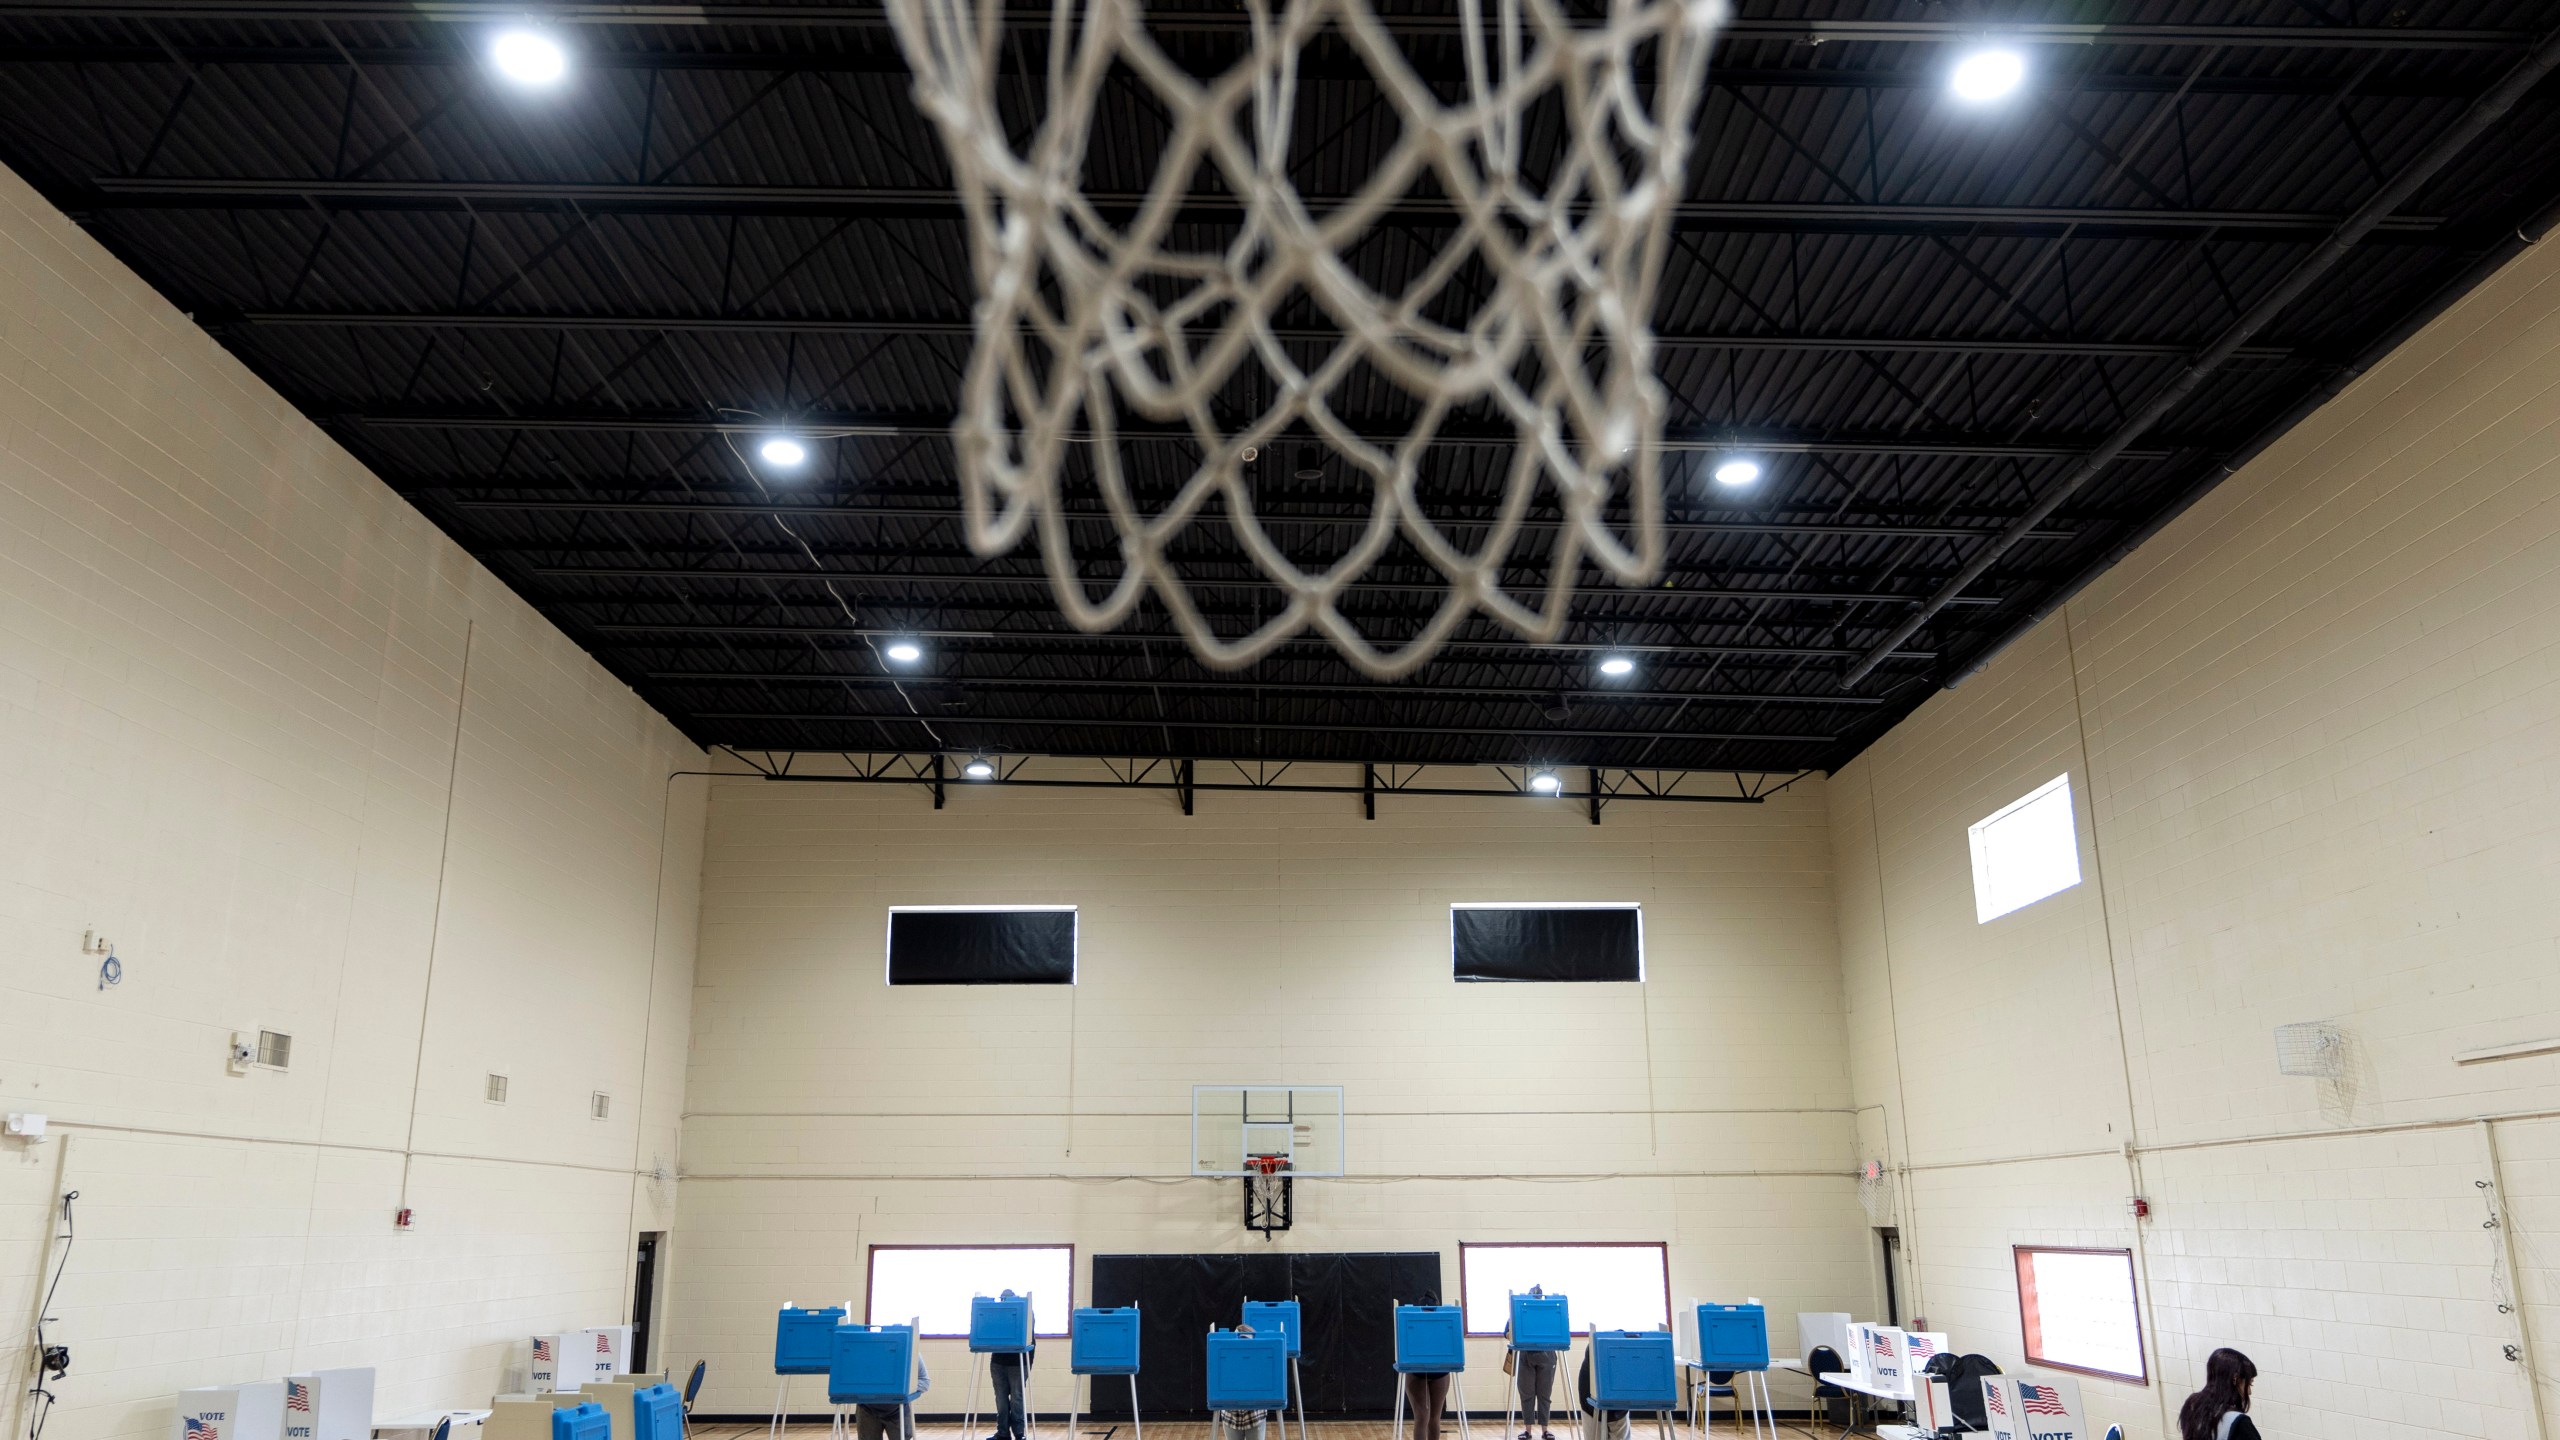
1087,321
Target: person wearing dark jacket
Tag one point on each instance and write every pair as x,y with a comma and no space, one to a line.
2220,1411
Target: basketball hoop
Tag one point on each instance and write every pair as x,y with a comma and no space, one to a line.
1553,169
1267,1194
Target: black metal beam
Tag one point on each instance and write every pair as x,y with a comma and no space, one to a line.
890,426
810,14
885,202
1266,690
1513,645
1312,727
947,326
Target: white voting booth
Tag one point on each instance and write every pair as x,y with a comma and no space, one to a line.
1887,1359
329,1405
561,1363
2033,1406
250,1411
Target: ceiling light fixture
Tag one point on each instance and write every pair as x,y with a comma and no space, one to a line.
1545,782
783,450
1617,665
1737,472
905,652
529,57
1991,73
979,768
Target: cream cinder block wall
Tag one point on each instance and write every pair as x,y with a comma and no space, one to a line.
2313,734
1269,938
313,770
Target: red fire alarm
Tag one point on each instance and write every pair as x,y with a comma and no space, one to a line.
404,1218
2141,1209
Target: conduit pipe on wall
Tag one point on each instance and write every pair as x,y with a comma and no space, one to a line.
2484,112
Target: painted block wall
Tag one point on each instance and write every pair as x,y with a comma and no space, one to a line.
1269,938
314,770
2313,733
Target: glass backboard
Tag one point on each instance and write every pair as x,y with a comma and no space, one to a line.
1231,1122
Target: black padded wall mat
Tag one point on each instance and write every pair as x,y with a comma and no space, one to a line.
1349,1346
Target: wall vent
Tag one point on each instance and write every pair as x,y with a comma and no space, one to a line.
275,1049
497,1091
599,1105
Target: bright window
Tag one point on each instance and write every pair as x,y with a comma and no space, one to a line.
1617,1287
2024,851
936,1282
2076,1307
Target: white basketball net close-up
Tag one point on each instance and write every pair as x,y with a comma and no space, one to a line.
1081,322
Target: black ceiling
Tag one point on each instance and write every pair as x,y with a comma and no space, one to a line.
531,317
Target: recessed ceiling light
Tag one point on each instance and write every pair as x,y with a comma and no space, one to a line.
783,450
1992,73
529,57
980,768
1545,782
905,652
1737,472
1617,665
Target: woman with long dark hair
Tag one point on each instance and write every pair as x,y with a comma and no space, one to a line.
2220,1411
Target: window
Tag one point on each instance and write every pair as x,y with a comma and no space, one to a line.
2076,1307
934,1283
2025,851
1547,942
1616,1285
982,945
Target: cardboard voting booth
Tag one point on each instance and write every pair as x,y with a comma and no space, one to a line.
329,1405
1430,1340
606,1352
1633,1370
249,1411
1248,1372
1103,1341
1281,1315
616,1401
2033,1406
1541,1322
801,1339
1919,1348
514,1417
1823,1327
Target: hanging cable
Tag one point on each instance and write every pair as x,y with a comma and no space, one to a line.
52,1361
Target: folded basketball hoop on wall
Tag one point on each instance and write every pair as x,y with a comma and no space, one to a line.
1549,150
1267,1136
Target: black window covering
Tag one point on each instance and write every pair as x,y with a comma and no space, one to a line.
982,947
1538,944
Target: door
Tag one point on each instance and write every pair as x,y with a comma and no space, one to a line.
644,1298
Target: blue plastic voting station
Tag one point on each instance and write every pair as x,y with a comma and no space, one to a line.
581,1422
1430,1340
1633,1370
1281,1315
1248,1372
1733,1337
1104,1341
657,1413
1541,1322
873,1365
1000,1325
801,1338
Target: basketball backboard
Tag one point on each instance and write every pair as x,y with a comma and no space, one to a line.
1230,1123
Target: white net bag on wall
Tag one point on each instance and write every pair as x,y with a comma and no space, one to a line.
1556,162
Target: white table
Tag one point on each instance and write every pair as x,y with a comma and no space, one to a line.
1905,1432
1856,1386
426,1421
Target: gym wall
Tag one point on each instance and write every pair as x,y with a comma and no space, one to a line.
312,770
2310,732
1271,937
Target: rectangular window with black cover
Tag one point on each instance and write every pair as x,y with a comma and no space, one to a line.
982,945
1547,942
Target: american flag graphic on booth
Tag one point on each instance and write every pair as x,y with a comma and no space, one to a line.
541,1349
1991,1399
297,1397
2041,1399
199,1429
1884,1347
604,1344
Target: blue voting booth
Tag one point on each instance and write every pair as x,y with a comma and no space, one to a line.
999,1325
873,1365
581,1422
801,1338
1541,1322
1733,1337
1248,1372
657,1413
1633,1370
1430,1340
1103,1341
1280,1315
